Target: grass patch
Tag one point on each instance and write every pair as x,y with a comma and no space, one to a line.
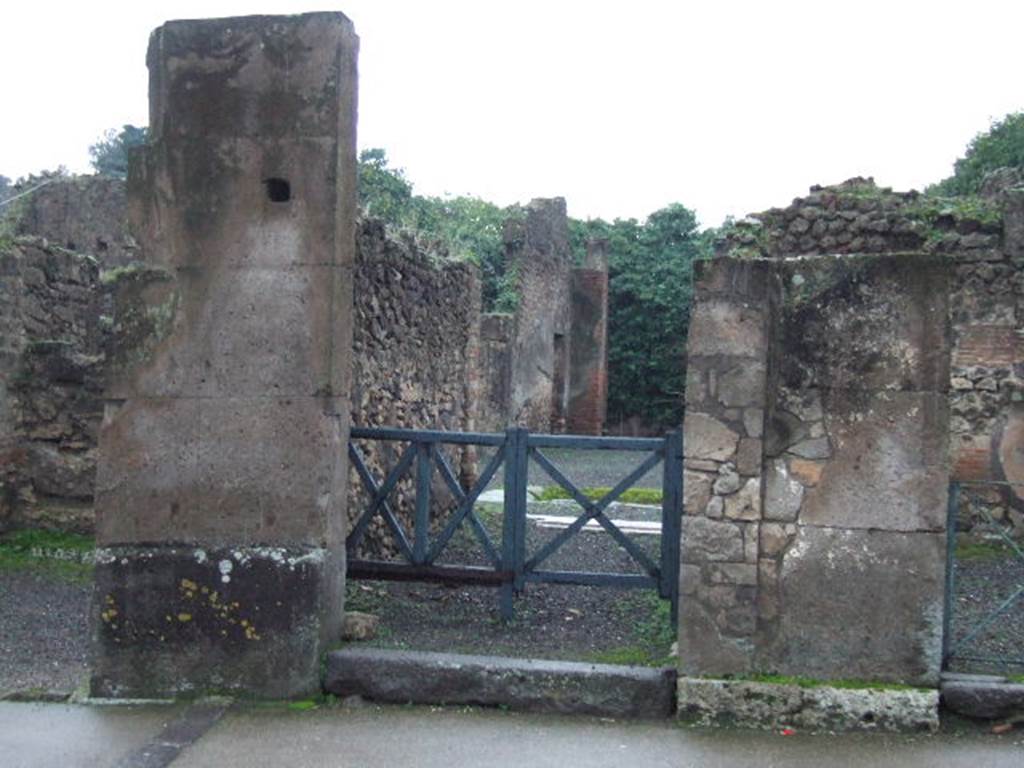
629,496
653,633
1016,678
60,554
296,705
365,596
47,541
980,549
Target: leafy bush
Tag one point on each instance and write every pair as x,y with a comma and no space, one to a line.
1001,146
110,153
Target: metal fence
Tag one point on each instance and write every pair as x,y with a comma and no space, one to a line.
511,566
984,616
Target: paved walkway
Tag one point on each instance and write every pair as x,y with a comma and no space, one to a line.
49,735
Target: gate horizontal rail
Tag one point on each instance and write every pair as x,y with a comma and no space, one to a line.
511,566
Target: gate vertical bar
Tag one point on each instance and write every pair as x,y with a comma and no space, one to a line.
424,466
508,524
671,524
522,478
952,511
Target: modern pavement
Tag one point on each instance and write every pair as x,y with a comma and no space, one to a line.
42,735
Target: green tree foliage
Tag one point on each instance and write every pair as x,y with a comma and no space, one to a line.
5,187
384,192
649,292
1002,145
110,154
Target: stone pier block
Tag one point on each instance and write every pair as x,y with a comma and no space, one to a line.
880,617
221,488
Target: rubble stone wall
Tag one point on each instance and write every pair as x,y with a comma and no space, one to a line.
51,382
416,339
85,214
984,240
497,330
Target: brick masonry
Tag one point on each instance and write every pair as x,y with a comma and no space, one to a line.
588,369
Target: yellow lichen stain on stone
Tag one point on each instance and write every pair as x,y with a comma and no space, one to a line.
108,614
183,617
188,584
168,617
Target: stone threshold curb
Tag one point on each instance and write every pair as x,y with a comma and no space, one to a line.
751,704
987,697
528,685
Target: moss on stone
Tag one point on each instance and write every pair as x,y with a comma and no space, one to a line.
933,210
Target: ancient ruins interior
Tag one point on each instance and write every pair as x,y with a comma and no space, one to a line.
183,356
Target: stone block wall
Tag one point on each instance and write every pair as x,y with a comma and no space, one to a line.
984,239
51,383
816,454
415,347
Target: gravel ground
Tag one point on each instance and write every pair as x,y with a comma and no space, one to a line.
981,585
44,633
551,620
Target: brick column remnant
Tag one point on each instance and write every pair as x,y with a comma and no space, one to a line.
221,484
588,368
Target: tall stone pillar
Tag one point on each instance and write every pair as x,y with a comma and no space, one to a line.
588,345
222,474
537,249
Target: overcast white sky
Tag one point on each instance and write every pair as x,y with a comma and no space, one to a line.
621,107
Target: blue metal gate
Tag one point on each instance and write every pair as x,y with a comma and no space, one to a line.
511,565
